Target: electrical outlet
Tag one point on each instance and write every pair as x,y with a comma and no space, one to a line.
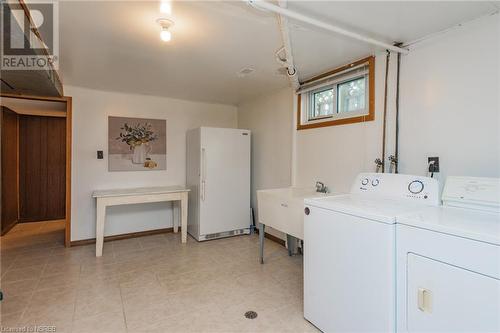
100,154
435,166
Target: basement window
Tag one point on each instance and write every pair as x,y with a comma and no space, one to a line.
342,96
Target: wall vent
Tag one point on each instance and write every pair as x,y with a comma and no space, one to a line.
245,72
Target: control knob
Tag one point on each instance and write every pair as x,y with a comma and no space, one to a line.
416,187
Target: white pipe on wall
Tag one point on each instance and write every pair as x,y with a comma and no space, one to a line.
320,24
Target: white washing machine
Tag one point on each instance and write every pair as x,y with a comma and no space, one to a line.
349,254
448,261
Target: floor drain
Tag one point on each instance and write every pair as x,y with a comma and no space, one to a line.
250,314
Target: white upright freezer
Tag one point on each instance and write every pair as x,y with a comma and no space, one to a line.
218,175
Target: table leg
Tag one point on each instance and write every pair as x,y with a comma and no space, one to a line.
99,228
261,242
176,216
184,213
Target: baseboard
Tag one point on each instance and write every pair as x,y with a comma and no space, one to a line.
124,236
9,227
273,238
30,220
156,232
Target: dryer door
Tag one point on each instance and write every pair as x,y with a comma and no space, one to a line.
442,297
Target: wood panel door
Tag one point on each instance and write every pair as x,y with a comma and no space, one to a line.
42,168
10,182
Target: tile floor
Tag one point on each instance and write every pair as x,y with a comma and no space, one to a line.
148,284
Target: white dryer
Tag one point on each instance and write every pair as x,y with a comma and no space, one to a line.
349,251
448,261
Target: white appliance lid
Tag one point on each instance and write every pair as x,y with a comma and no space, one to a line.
472,192
473,224
381,209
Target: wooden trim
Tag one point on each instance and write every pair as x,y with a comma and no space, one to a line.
16,221
340,69
43,113
299,111
35,220
275,239
34,29
371,91
69,131
21,220
336,122
18,166
8,228
371,97
62,99
7,84
46,221
124,236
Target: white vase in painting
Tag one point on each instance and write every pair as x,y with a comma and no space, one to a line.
140,153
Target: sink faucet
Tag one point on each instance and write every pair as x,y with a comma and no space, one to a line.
321,188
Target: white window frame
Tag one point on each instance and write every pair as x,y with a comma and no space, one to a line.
332,80
309,103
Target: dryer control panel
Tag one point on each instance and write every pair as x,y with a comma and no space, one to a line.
416,188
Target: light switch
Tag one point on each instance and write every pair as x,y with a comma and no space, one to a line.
100,154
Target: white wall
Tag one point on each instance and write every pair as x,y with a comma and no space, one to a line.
269,118
449,102
91,109
335,155
449,108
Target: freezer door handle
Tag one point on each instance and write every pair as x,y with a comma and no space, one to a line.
203,172
202,191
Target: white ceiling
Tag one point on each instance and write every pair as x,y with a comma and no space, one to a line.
316,51
115,45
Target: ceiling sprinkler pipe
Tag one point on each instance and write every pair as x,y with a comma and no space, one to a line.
287,46
290,70
279,59
264,5
252,4
292,73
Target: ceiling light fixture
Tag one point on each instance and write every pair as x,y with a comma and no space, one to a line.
165,24
166,7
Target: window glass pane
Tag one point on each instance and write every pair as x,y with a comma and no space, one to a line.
322,103
352,95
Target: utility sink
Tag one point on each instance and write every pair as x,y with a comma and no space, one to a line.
283,208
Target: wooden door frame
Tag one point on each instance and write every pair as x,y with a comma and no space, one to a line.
69,105
9,227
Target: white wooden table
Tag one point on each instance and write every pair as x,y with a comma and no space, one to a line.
105,198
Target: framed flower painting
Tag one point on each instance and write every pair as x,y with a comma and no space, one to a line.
137,144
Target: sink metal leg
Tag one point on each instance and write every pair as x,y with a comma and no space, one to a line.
261,242
292,244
